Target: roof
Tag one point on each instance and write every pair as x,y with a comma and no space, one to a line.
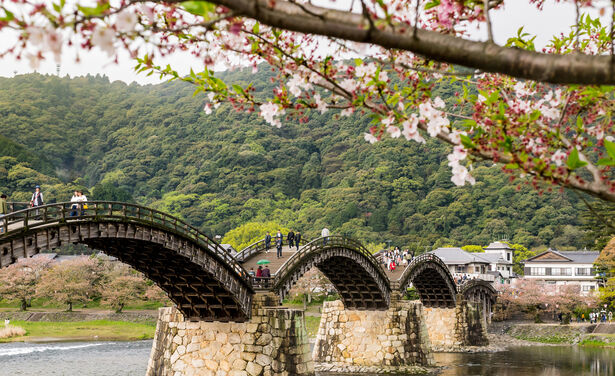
457,256
228,247
495,258
551,255
498,246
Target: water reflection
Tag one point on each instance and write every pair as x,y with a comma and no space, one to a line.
531,361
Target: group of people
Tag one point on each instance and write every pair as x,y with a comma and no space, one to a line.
393,258
603,316
293,239
79,203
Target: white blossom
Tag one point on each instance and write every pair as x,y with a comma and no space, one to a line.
34,60
36,35
370,138
269,111
347,111
320,104
126,21
207,108
103,39
349,85
394,131
296,84
411,131
558,157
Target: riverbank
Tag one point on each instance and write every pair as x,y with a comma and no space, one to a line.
510,334
81,325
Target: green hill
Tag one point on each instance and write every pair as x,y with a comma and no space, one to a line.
155,144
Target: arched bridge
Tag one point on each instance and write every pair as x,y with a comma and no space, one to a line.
199,276
202,278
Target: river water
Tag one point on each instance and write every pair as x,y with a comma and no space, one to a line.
130,358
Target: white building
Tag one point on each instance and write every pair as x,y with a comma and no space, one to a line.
564,268
494,263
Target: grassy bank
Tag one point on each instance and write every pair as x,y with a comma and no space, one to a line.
83,330
598,340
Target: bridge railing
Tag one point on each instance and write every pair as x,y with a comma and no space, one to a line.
319,244
260,246
67,212
15,206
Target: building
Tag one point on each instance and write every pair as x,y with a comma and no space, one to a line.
564,268
494,264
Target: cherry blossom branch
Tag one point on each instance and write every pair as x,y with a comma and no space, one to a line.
558,69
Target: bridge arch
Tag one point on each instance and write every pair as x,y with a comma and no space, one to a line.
199,276
432,280
352,269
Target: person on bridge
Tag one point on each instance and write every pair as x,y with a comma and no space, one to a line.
267,242
297,239
291,238
4,210
37,198
266,275
278,246
75,203
325,235
279,236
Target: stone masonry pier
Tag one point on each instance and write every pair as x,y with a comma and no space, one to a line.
452,328
393,338
272,343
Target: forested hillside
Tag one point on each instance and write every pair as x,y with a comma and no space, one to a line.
156,146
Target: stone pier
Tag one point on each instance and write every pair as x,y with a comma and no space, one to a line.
452,328
272,343
395,337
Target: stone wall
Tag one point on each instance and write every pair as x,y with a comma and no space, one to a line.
395,337
273,342
452,328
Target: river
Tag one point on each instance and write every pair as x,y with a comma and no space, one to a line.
130,358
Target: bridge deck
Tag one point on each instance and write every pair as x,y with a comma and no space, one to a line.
275,263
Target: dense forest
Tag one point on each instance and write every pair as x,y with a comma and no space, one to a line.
155,145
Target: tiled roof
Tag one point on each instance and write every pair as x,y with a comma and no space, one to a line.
583,257
457,256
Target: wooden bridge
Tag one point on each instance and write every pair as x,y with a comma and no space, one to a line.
207,282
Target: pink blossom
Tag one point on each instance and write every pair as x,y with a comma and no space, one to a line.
347,111
558,157
394,131
410,131
349,85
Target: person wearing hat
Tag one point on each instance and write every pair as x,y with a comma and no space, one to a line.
4,210
37,198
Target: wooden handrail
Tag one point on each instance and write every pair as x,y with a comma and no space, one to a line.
51,214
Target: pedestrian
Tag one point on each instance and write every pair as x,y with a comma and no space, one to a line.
325,235
266,275
278,246
251,272
83,199
610,316
4,210
291,238
267,242
75,200
297,239
37,198
279,236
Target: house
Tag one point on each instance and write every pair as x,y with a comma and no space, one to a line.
462,263
500,257
564,268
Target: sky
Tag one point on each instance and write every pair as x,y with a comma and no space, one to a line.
555,18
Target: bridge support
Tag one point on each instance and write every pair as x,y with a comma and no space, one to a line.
395,337
272,343
452,328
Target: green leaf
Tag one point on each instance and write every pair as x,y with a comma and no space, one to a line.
610,148
8,16
467,142
199,8
605,162
573,161
256,28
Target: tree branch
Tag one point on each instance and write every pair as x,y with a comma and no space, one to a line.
488,57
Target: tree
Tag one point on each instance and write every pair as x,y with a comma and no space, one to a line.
122,286
18,281
552,134
520,254
251,232
473,248
71,281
